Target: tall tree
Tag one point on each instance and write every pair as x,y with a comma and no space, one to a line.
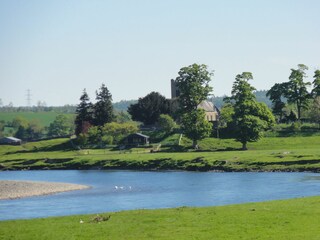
250,117
276,94
84,114
297,92
149,108
316,84
103,109
193,83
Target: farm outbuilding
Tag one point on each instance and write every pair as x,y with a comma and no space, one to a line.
10,141
137,139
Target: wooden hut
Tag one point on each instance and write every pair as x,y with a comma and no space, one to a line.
137,139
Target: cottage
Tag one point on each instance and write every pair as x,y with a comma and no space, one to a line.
10,141
137,139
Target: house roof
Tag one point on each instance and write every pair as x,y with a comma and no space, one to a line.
207,106
141,135
12,139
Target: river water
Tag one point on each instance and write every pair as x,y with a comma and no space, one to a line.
126,190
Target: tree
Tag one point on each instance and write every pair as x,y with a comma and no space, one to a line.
297,92
166,123
315,110
276,94
30,130
118,131
149,108
316,84
61,126
195,126
250,117
193,83
84,114
103,109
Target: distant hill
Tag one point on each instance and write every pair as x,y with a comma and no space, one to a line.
123,104
260,95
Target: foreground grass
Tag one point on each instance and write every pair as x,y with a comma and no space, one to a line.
269,154
285,219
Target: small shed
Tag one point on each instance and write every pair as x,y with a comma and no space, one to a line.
137,139
10,141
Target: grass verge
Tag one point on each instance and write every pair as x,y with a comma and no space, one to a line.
285,219
269,154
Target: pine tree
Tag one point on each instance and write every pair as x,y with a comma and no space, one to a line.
84,114
103,109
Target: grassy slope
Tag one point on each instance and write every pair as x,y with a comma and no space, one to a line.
285,219
269,154
45,118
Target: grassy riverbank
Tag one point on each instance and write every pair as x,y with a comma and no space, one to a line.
269,154
285,219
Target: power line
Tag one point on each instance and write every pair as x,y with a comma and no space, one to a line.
29,98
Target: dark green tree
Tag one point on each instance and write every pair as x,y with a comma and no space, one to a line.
149,108
103,109
316,84
276,94
83,114
193,83
250,117
297,92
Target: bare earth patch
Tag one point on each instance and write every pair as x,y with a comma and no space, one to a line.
20,189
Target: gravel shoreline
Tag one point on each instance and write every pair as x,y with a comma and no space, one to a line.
20,189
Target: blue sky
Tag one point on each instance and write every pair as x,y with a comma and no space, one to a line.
58,48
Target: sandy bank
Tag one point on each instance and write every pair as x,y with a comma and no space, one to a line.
20,189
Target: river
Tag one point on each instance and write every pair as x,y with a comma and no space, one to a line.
126,190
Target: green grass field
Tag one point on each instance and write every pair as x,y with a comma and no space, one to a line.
269,154
286,219
45,118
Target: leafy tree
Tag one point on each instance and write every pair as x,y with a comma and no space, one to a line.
316,84
122,116
167,123
32,130
250,117
103,109
118,131
149,108
195,126
19,121
193,83
84,114
315,110
276,94
297,92
94,134
61,126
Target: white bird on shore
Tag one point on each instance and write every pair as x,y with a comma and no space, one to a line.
81,221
